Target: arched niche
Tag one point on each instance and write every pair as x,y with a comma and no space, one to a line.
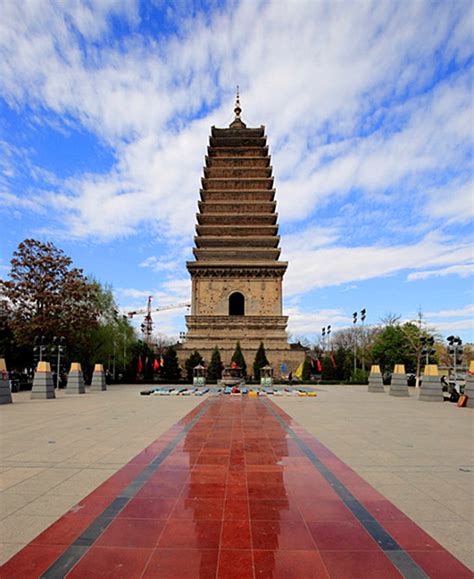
236,304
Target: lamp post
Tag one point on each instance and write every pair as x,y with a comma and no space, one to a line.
427,348
354,322
39,347
455,349
323,340
363,314
58,349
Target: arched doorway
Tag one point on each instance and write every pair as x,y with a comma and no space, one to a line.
236,304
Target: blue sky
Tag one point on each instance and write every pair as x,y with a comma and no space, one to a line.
106,109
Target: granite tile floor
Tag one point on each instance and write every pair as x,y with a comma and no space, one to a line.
236,488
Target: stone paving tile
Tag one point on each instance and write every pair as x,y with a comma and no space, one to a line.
265,508
13,476
86,430
432,471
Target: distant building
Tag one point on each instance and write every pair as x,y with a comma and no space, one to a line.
237,275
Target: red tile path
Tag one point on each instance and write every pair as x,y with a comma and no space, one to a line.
238,496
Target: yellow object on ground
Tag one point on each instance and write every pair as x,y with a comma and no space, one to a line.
311,394
252,394
301,393
431,370
43,367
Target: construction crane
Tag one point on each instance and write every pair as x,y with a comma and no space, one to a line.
147,325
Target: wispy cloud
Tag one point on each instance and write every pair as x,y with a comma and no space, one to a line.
460,312
316,268
368,108
460,270
308,323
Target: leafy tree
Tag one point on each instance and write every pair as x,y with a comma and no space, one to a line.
170,371
391,347
360,376
140,350
306,371
400,344
259,362
46,295
214,371
194,360
328,370
239,359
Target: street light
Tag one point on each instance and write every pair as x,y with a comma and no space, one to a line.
39,347
363,314
58,348
455,349
427,348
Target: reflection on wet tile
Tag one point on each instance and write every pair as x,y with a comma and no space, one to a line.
234,495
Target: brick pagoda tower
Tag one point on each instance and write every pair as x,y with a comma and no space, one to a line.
237,275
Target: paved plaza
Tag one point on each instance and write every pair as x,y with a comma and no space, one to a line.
236,486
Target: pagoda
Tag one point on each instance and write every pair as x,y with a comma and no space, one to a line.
237,274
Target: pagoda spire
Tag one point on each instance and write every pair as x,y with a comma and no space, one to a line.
237,123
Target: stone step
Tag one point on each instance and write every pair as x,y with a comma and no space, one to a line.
237,184
237,151
234,206
237,218
239,162
237,230
237,172
255,195
238,133
236,253
237,241
238,141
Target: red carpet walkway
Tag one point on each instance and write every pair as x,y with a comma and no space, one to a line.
235,489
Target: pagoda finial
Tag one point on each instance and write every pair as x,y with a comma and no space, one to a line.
237,109
237,122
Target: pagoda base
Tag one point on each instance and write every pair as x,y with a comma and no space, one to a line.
207,332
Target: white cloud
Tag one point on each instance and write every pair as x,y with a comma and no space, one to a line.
355,72
465,311
463,270
158,265
452,326
454,203
302,322
315,268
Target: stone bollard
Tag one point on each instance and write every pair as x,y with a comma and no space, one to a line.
75,380
5,392
431,388
43,386
375,380
98,378
469,387
398,385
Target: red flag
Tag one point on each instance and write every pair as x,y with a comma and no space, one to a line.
318,362
140,365
233,365
334,365
156,365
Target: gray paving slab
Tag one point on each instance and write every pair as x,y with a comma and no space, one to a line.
420,456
